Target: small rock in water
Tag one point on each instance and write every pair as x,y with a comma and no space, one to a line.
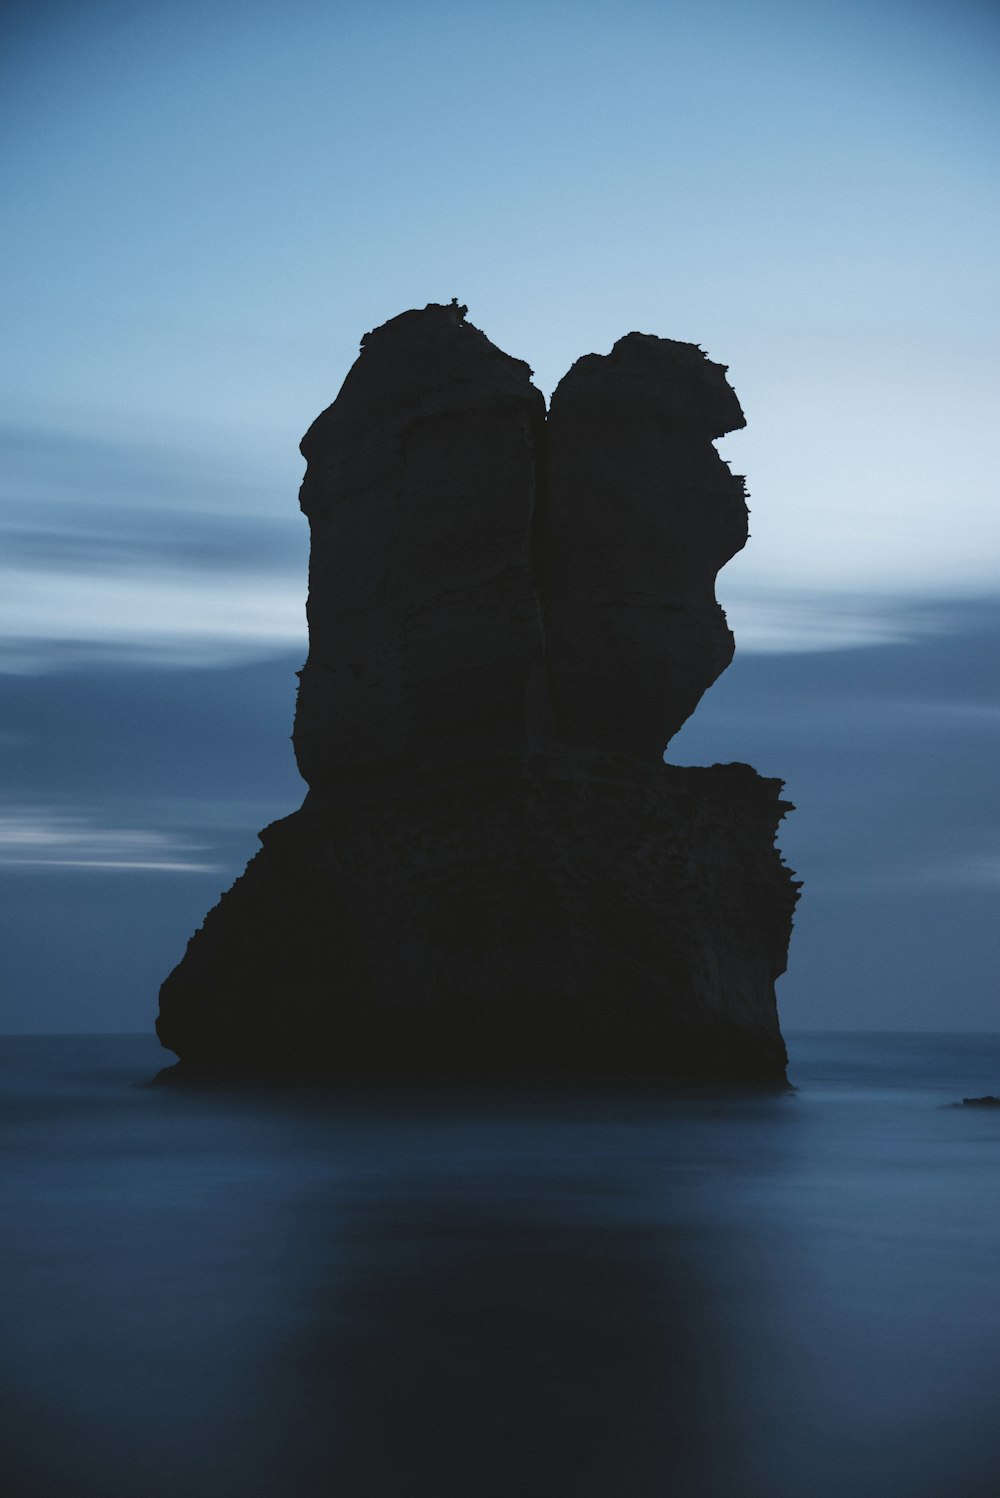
989,1101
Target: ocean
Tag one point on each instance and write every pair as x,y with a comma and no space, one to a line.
272,1294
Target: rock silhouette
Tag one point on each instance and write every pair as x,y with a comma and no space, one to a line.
424,620
509,616
640,514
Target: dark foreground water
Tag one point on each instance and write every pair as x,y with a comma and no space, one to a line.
220,1295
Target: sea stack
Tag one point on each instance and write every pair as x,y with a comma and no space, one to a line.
510,614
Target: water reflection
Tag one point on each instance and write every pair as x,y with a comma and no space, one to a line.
469,1346
272,1297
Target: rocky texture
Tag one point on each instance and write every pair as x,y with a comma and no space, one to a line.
641,513
508,619
424,622
549,912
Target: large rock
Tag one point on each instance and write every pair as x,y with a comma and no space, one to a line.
493,866
424,621
641,512
552,912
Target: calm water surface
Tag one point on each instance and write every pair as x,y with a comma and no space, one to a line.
228,1294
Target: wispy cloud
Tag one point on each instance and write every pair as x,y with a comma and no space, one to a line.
45,466
922,871
979,870
50,617
769,617
115,549
38,839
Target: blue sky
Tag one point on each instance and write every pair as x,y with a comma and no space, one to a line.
206,206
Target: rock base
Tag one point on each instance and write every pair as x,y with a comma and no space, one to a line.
564,912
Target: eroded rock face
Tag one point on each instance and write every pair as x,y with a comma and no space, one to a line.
424,621
640,514
588,914
508,619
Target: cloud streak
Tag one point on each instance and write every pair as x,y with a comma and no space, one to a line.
39,839
50,618
111,550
